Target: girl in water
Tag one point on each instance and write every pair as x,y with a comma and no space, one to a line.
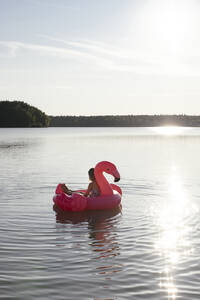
92,190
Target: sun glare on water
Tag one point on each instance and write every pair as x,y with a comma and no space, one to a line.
174,242
169,130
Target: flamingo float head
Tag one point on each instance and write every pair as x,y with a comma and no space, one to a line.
108,167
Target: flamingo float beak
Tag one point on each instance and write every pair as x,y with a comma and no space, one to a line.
117,176
117,179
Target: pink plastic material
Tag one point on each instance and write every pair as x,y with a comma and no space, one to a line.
110,194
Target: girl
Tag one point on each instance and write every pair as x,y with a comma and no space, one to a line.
92,190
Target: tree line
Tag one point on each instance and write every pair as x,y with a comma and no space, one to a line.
21,114
125,121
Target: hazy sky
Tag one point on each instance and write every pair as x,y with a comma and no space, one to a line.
93,57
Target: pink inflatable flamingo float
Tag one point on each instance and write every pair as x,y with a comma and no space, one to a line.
110,194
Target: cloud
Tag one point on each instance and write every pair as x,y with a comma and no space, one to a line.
136,62
109,58
93,46
8,49
14,47
100,48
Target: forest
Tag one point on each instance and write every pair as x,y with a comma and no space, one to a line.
125,121
21,114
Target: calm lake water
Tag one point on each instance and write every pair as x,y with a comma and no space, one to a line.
149,250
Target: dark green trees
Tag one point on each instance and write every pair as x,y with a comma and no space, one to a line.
125,121
21,114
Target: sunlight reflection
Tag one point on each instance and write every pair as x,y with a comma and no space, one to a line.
169,130
173,242
170,286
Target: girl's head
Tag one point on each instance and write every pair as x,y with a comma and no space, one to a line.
91,174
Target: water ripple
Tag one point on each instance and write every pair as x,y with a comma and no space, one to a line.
147,250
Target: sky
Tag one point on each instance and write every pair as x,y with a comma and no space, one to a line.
101,57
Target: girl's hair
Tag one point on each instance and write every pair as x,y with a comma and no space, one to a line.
91,174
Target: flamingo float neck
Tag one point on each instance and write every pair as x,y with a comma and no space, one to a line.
104,166
103,184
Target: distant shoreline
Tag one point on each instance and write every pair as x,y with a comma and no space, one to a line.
125,121
15,114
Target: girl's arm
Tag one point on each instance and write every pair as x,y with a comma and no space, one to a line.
88,190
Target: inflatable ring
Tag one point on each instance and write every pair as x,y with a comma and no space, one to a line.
110,194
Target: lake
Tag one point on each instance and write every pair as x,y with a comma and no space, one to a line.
148,250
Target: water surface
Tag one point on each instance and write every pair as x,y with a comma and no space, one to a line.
149,250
